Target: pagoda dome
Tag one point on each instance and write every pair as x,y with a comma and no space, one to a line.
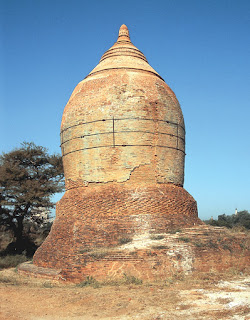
121,117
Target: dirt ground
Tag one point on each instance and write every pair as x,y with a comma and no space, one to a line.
203,296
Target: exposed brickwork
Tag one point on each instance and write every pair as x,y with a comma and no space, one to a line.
101,217
123,147
200,248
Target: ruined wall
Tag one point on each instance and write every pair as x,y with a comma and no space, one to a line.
102,216
153,257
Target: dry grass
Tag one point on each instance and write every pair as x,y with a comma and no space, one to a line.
178,297
226,313
11,261
99,253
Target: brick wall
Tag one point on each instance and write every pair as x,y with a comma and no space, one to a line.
197,249
101,216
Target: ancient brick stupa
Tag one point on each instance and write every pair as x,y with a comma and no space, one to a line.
123,148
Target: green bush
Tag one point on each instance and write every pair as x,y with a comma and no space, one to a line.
241,219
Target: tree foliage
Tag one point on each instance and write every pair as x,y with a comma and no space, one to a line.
242,218
29,176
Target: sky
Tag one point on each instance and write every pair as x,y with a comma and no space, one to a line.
200,48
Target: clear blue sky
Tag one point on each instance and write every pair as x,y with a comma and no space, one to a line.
201,48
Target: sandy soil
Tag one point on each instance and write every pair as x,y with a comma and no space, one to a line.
198,297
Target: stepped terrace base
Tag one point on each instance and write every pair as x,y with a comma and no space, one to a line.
94,223
159,257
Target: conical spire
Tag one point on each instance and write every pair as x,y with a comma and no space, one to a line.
123,34
123,55
123,46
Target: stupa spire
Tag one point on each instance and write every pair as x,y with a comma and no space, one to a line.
123,55
123,34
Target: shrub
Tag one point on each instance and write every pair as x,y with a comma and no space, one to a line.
184,239
227,247
124,240
160,247
199,244
242,219
89,281
84,250
99,253
11,261
131,279
156,237
212,244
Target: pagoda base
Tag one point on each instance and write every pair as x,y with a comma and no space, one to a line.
98,227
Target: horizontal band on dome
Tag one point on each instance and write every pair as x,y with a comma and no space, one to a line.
122,131
121,119
125,145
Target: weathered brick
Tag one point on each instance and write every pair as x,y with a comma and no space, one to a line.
123,147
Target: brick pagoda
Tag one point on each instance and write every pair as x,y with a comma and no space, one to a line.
123,148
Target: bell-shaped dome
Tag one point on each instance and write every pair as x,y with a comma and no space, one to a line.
123,119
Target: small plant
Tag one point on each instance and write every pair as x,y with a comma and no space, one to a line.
184,239
99,253
239,228
131,279
226,247
124,240
89,281
245,245
199,244
242,245
11,261
212,244
133,253
160,247
5,280
84,250
156,237
174,277
47,284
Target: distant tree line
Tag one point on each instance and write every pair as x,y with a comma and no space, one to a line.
241,219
